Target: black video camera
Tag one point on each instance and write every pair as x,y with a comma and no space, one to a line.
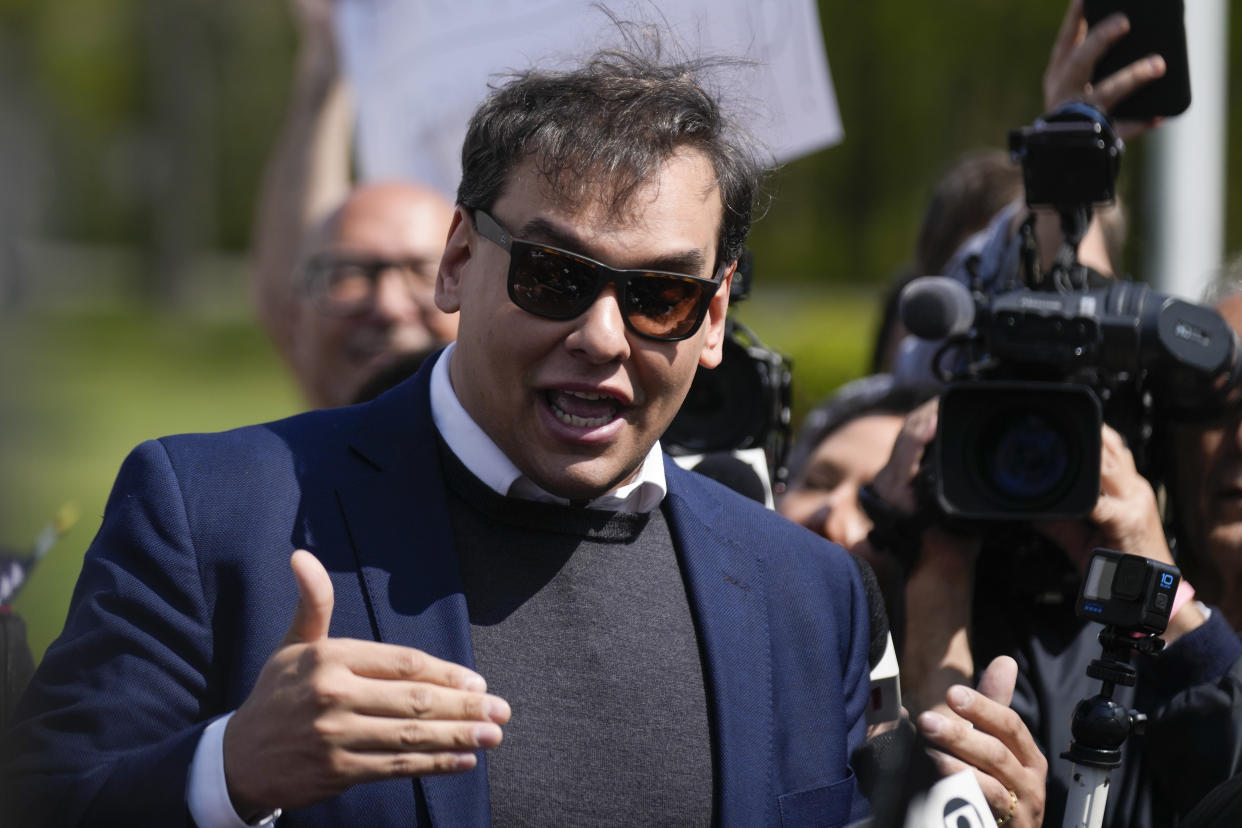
1035,362
743,403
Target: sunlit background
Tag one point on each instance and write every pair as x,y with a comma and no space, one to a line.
133,133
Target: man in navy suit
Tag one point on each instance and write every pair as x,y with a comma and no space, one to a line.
659,650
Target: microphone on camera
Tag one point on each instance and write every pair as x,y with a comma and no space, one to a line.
936,307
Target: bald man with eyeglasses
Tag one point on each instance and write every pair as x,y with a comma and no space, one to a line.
363,295
342,274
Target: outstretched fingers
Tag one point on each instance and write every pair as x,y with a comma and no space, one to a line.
1072,31
420,700
374,659
991,739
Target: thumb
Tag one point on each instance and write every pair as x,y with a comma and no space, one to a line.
314,609
998,680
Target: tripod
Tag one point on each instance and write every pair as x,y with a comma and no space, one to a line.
1100,725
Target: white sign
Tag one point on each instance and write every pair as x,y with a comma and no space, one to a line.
420,67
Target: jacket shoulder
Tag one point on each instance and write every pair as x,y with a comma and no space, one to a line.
749,522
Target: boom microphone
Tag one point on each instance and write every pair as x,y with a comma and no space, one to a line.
936,307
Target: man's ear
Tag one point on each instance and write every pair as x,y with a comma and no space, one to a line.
456,255
713,343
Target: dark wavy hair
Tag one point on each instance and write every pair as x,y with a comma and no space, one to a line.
599,131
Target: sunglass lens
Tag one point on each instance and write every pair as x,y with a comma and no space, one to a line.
663,307
550,283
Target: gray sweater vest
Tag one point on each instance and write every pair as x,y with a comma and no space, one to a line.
580,620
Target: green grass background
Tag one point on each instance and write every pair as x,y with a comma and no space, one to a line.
80,388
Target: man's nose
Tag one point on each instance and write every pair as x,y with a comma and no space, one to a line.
599,333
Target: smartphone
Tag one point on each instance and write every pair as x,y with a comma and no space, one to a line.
1156,27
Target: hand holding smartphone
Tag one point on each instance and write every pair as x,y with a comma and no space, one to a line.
1156,27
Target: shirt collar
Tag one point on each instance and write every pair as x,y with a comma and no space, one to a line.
487,462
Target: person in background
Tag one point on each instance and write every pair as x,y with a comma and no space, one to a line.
1204,464
977,206
974,188
342,276
1203,471
972,594
840,446
842,443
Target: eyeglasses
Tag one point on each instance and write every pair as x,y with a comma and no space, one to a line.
557,284
344,284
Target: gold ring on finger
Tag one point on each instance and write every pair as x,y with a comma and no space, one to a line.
1013,806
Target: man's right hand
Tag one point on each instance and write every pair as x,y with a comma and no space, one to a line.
328,713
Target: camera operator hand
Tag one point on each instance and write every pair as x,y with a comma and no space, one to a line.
1074,55
940,583
1125,518
982,732
969,727
895,482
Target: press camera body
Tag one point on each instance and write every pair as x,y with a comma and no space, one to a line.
1035,361
744,403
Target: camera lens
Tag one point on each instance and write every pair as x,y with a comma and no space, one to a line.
1016,450
1025,457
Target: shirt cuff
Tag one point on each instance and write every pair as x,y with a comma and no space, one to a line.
207,792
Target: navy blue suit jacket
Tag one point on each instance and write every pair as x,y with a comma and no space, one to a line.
186,591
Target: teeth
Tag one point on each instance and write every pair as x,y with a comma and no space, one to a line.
580,422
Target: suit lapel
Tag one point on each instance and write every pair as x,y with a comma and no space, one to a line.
396,514
395,510
727,596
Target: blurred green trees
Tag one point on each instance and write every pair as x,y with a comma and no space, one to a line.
151,120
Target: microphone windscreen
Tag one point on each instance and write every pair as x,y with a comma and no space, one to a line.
936,307
875,611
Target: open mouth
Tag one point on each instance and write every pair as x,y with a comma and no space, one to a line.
582,409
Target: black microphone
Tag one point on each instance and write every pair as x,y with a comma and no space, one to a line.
936,307
737,474
876,612
884,704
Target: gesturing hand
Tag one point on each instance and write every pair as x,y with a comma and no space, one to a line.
991,739
329,713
